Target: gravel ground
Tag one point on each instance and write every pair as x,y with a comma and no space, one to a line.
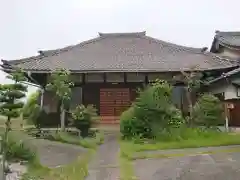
221,166
17,170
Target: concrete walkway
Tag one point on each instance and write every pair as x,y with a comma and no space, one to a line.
104,166
53,154
195,167
221,163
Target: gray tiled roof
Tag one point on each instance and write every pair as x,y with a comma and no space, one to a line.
123,52
227,39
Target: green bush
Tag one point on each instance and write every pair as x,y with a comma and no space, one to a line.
129,125
18,147
33,118
83,118
152,113
208,111
31,105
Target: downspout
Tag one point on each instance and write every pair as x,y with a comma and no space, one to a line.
227,113
42,95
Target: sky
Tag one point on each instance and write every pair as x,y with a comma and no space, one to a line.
27,26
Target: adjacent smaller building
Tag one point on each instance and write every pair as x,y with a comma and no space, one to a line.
226,44
227,86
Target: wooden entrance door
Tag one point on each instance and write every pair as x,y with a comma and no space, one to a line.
113,101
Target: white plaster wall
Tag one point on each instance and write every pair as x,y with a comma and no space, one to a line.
229,90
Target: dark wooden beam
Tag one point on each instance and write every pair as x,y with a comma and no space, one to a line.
83,78
104,77
125,77
146,79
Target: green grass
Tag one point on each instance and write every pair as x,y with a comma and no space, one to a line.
222,140
172,155
21,148
18,146
126,167
91,142
206,139
35,171
77,170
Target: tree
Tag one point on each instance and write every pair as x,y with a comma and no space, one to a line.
208,111
61,84
11,104
193,81
32,101
31,109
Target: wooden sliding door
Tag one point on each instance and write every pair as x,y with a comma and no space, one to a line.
113,101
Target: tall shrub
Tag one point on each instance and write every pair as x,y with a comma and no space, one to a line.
152,112
208,111
31,108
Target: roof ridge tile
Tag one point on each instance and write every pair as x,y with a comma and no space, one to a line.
142,33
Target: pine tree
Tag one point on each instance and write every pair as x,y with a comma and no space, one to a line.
11,104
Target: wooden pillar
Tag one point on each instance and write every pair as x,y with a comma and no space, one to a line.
125,78
146,79
42,97
104,77
228,106
227,115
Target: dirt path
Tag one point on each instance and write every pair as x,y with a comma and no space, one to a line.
104,166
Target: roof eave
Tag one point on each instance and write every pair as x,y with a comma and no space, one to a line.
121,70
